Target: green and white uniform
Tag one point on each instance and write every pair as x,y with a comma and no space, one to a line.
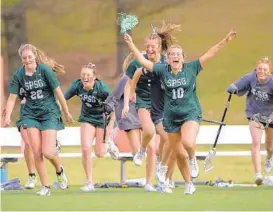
181,103
92,107
41,109
143,92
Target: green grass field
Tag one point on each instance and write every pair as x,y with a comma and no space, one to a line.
135,199
238,169
83,30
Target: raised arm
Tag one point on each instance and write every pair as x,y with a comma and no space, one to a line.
216,48
137,54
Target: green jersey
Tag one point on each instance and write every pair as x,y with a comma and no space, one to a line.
38,90
180,99
143,87
91,107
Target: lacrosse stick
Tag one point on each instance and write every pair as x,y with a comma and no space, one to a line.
214,122
259,120
208,165
104,126
126,22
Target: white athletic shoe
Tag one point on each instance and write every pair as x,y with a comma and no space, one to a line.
170,183
259,178
139,156
194,169
45,191
149,188
88,187
112,149
189,188
160,174
268,165
164,188
31,182
62,180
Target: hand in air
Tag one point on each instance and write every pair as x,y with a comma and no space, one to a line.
231,35
128,39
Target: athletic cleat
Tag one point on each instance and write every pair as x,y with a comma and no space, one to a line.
112,149
189,188
31,182
160,174
268,165
194,169
258,178
170,183
88,187
139,156
163,188
149,188
45,191
62,180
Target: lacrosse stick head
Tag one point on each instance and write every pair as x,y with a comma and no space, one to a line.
208,163
126,22
261,122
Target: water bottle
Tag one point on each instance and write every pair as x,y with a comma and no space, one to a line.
3,174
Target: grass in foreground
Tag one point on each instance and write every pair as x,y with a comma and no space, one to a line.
206,198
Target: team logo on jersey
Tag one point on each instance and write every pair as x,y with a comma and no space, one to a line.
260,95
176,82
87,98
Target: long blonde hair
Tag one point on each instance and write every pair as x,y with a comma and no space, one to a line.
127,61
164,35
42,58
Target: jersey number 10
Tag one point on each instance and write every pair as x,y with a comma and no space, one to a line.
178,93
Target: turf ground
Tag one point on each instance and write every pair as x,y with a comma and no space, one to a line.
124,199
203,24
238,169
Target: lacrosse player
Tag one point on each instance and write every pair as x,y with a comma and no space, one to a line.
182,110
40,115
92,92
258,86
163,169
